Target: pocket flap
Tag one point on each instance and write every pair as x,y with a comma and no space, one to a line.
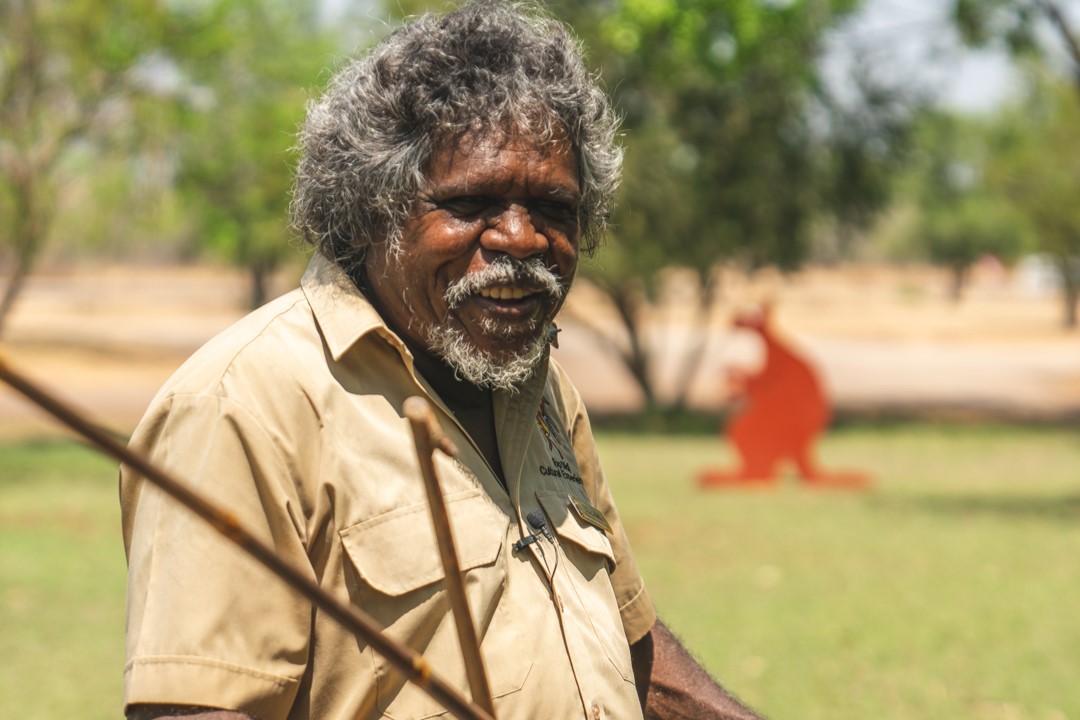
569,527
395,553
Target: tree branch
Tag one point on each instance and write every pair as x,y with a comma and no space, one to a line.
1053,11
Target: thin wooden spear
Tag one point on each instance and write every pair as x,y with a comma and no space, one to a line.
411,664
428,435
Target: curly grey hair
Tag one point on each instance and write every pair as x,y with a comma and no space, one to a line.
487,67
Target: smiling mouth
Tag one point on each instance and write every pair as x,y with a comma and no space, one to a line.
507,312
505,292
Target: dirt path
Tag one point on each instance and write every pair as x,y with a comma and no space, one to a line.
886,340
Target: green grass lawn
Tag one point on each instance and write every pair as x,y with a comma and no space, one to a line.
61,584
948,592
951,590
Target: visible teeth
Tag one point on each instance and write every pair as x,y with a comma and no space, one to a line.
502,292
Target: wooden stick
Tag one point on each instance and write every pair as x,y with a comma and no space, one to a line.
428,435
404,658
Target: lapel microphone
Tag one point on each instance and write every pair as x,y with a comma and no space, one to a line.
536,520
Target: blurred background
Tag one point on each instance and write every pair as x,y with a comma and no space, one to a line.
897,179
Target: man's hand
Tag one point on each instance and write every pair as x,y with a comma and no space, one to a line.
674,686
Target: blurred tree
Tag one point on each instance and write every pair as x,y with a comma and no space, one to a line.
1036,167
69,72
251,64
736,150
869,138
962,218
1039,33
1014,25
973,227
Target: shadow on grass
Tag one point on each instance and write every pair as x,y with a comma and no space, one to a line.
1052,508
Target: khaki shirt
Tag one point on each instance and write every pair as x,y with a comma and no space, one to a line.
292,420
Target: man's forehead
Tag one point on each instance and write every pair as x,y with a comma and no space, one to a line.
497,157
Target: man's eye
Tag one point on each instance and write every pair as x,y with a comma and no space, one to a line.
556,210
465,206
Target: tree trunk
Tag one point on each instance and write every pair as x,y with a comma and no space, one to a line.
845,241
1065,32
628,303
1070,282
696,354
16,280
28,231
1072,299
958,274
260,275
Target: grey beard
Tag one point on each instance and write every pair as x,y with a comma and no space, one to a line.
474,365
481,369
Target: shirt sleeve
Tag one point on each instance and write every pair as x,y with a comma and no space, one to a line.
635,606
206,624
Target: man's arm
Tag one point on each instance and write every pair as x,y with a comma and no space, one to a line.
675,686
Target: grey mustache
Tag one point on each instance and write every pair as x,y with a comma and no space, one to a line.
506,271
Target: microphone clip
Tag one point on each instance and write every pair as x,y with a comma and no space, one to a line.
525,542
536,520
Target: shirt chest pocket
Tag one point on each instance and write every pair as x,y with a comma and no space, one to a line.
395,553
396,576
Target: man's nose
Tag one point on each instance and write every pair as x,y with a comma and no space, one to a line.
512,232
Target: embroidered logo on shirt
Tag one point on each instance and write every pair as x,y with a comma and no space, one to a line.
556,441
558,446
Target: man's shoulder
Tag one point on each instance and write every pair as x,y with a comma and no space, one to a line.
267,344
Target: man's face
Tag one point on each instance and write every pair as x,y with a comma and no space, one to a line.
486,256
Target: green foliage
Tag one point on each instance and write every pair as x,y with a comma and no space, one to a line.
963,217
1010,23
249,70
716,97
1038,166
734,149
974,227
69,84
1037,169
871,138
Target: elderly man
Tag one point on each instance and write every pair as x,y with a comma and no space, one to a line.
449,180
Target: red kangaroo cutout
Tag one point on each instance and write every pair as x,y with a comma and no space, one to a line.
783,409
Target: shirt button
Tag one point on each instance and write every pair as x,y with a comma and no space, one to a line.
596,711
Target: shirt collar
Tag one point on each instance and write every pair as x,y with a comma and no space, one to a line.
343,313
